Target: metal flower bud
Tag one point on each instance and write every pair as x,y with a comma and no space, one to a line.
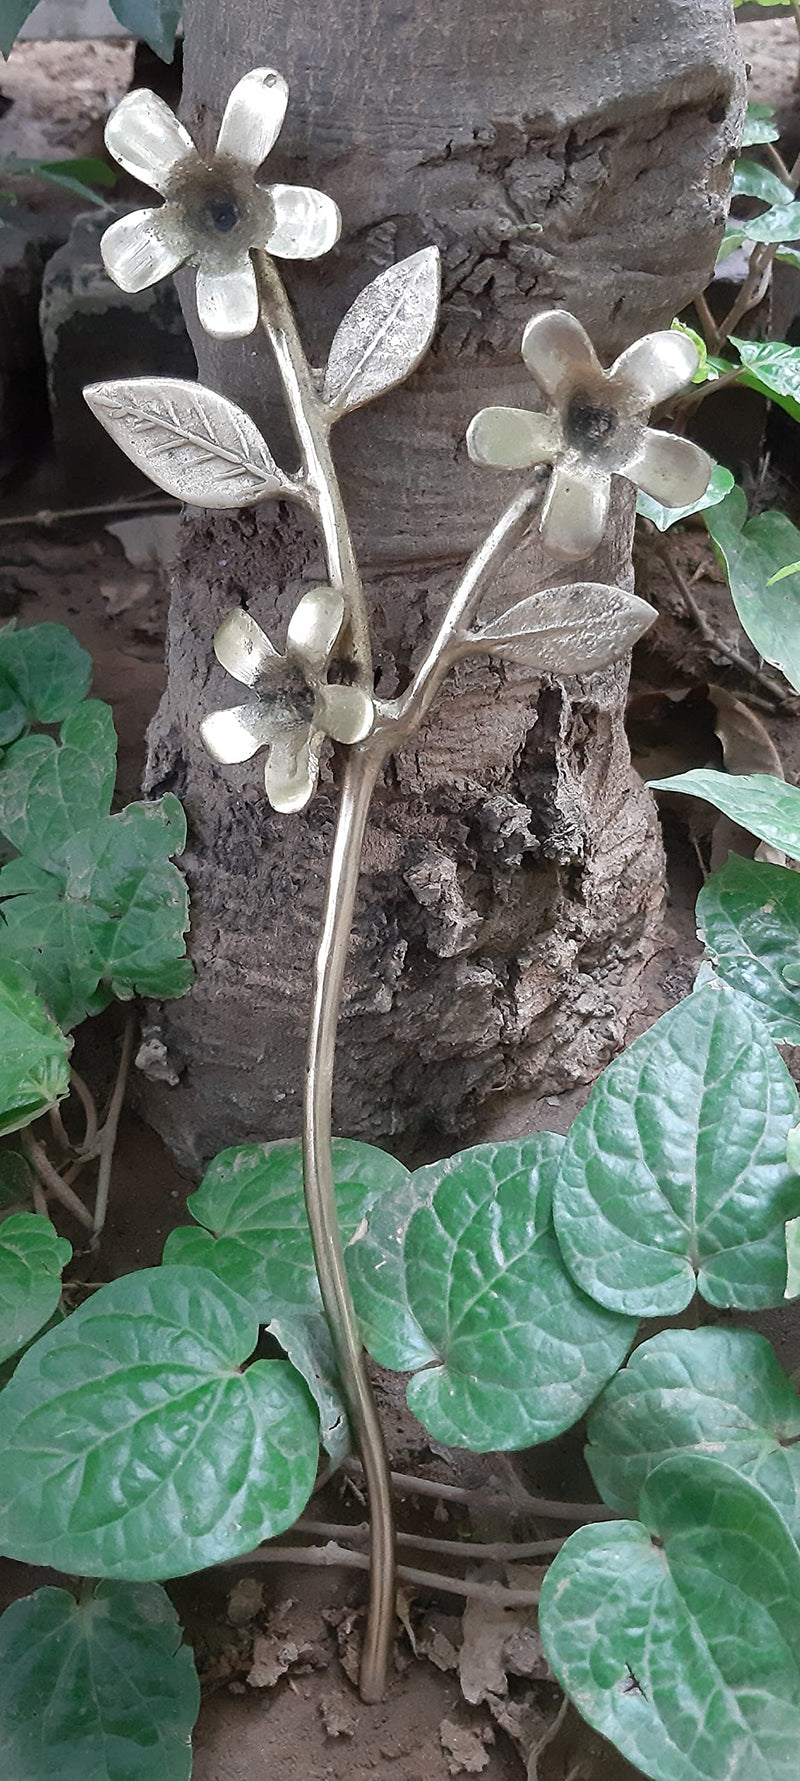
214,211
293,708
596,428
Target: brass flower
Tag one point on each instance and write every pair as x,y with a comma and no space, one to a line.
294,707
215,211
596,428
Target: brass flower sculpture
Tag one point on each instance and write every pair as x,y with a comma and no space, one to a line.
215,211
596,428
205,449
294,708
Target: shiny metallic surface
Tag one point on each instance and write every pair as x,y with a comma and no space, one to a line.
595,428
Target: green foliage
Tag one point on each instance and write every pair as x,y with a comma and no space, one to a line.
96,1690
698,1391
719,486
748,917
752,551
759,126
34,1054
44,675
156,21
768,807
520,1351
256,1239
770,367
32,1258
674,1176
141,1407
77,175
677,1635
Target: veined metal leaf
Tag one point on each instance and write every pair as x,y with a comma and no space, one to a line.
566,630
192,442
385,333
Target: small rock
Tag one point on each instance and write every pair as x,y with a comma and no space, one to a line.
271,1659
465,1748
338,1716
245,1601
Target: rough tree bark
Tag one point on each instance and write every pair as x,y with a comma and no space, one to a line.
513,870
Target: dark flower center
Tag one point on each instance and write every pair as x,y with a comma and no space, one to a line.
589,425
222,213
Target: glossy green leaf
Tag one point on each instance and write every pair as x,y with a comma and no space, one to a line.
50,789
521,1352
719,486
13,14
759,125
677,1636
752,551
768,807
698,1391
137,1444
114,924
675,1172
44,674
780,223
156,21
751,180
34,1053
96,1690
377,1275
772,368
32,1258
748,917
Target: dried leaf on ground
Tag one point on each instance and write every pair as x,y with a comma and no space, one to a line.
498,1642
338,1715
465,1747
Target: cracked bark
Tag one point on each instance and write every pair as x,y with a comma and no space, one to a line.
513,872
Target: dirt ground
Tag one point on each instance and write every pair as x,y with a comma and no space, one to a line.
277,1645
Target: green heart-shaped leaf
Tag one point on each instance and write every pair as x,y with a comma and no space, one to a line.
759,125
521,1351
49,789
748,917
377,1275
47,670
675,1172
698,1391
32,1257
753,551
34,1053
114,922
768,807
134,1444
677,1636
720,484
96,1690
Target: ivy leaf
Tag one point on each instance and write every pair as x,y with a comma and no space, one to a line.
50,789
780,223
96,1690
34,1054
32,1257
44,675
719,486
696,1391
306,1340
385,333
752,551
767,807
256,1232
772,368
677,1636
759,126
156,21
13,14
136,1446
748,918
521,1352
377,1276
674,1175
114,924
751,180
565,630
191,442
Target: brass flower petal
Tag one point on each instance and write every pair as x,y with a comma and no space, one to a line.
292,768
243,649
313,629
575,511
138,249
674,471
655,367
307,223
557,350
513,438
253,117
145,137
227,302
345,713
236,735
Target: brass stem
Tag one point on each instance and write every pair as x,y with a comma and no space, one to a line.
311,423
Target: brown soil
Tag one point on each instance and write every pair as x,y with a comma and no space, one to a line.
278,1684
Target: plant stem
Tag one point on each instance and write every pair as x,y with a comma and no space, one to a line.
89,1105
311,424
406,1484
501,1551
496,1593
108,1136
52,1182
